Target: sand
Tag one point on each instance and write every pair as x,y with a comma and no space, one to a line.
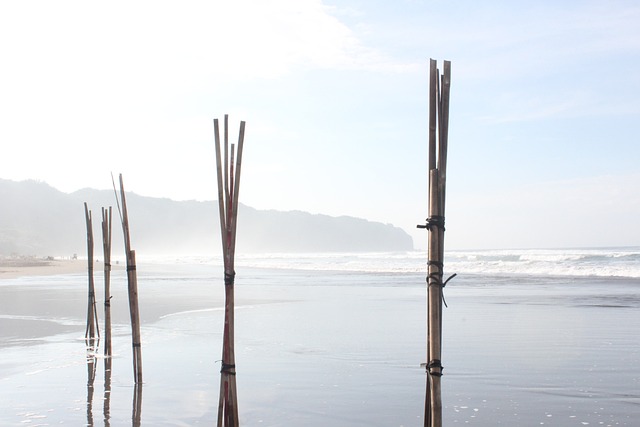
322,348
11,268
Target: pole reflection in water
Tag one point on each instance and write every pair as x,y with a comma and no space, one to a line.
107,391
137,405
136,414
92,346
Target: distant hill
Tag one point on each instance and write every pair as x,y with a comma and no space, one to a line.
37,219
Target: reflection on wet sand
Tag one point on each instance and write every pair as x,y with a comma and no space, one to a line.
136,414
137,405
107,391
92,346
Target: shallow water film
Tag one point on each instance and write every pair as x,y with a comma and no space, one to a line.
318,347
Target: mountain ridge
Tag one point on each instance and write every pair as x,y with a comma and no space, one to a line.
38,219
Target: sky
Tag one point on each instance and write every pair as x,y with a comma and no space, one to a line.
544,148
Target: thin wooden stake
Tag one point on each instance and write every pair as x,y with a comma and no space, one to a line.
106,247
432,113
132,280
92,312
444,133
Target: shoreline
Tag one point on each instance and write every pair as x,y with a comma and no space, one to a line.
11,268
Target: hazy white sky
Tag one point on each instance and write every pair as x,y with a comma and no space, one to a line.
545,108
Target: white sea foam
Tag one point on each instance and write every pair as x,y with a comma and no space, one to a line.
613,262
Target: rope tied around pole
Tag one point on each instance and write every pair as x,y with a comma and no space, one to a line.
228,368
435,363
436,221
229,278
435,278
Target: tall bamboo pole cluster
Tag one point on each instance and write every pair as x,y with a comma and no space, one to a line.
92,317
92,330
228,189
92,312
439,89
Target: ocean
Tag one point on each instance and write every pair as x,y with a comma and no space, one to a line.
530,337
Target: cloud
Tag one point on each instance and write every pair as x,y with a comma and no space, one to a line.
78,76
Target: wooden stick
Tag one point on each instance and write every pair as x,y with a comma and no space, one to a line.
132,280
227,193
234,210
434,290
433,76
92,313
221,183
229,210
444,133
106,246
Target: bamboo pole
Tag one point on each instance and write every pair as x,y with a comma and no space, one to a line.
434,311
106,246
432,112
444,134
438,142
132,281
228,191
92,313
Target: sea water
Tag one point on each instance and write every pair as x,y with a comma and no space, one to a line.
531,337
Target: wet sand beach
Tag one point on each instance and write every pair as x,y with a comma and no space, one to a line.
324,348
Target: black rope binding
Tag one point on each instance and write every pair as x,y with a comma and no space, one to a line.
228,368
436,280
434,221
435,363
229,278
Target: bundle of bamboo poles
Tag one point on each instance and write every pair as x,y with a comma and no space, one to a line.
228,190
92,329
439,89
